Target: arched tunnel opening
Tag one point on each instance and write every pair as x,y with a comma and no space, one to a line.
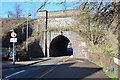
59,47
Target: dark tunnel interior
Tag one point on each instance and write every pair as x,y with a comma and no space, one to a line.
58,46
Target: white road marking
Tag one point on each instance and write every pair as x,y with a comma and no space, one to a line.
54,67
71,56
81,61
14,74
48,71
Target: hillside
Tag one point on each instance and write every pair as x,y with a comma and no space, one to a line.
20,27
10,23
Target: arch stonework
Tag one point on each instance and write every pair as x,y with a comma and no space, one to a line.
79,46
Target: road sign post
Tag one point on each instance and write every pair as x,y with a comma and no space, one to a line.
13,39
13,53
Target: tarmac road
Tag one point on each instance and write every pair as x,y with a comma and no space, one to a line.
60,67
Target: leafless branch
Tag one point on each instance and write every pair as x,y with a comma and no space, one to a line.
42,5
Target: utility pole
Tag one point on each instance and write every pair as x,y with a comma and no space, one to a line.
27,33
46,22
46,54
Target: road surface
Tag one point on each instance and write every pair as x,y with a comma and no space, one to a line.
60,67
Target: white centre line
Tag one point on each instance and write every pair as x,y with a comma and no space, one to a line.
48,71
14,74
53,68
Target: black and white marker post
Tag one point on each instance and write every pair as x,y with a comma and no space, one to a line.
13,39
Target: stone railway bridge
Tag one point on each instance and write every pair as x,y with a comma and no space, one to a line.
57,43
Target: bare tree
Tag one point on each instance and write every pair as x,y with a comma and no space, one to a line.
10,14
100,17
43,5
17,13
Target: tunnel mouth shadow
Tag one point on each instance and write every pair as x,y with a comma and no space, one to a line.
58,47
